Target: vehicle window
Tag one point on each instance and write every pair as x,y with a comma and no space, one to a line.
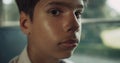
8,13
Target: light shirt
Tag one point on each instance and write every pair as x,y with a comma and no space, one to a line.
24,58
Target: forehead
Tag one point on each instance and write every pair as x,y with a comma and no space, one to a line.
69,3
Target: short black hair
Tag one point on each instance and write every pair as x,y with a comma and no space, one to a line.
27,6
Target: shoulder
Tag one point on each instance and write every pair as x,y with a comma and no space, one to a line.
14,60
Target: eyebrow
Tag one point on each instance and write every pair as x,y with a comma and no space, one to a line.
65,4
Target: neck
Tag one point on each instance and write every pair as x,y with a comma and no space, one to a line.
38,57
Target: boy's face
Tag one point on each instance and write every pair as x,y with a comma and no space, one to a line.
55,28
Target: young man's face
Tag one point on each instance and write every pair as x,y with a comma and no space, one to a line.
55,28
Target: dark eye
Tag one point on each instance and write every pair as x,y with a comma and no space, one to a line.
78,14
55,12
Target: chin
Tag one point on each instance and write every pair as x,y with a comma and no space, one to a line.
65,55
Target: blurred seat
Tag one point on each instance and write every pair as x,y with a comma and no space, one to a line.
12,41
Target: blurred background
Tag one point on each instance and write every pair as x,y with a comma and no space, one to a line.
100,39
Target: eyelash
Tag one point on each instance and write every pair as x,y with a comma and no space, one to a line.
55,12
78,13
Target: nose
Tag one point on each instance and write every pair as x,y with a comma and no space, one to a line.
72,24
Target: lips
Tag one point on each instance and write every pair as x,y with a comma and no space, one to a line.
69,44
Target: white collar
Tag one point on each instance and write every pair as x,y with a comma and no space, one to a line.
23,58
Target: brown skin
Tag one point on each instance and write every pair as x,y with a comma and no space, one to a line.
52,24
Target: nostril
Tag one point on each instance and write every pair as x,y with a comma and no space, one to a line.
70,29
73,29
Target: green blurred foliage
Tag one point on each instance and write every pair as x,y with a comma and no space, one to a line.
98,50
91,42
94,9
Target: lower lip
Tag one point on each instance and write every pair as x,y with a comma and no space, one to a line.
68,45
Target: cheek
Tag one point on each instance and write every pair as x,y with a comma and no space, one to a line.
53,30
48,30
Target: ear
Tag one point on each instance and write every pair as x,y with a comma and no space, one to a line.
25,23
